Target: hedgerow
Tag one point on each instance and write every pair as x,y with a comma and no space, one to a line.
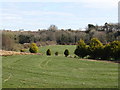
96,50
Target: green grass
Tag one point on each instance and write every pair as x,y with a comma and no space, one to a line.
58,48
27,71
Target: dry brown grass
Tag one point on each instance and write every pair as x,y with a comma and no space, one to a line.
10,53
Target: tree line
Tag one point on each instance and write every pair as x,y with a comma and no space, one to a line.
16,40
96,50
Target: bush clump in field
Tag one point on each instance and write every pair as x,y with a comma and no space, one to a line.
48,52
66,52
95,48
22,50
81,49
115,47
112,50
33,48
56,53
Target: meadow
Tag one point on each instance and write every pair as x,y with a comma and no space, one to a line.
58,48
41,71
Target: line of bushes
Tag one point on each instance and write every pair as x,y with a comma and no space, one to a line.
96,50
34,49
66,52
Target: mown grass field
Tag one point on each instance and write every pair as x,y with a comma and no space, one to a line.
36,71
58,48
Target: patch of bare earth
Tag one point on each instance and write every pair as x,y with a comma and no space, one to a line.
10,53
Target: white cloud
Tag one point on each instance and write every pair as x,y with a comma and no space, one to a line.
8,16
97,3
13,14
88,1
101,3
40,13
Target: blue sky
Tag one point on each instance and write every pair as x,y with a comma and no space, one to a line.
40,15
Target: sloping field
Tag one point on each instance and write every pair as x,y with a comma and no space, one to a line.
41,71
36,71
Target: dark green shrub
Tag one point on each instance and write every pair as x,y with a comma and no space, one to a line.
115,49
112,50
48,52
33,48
106,53
22,50
95,48
56,53
81,49
66,52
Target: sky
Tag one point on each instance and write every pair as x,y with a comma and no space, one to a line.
65,14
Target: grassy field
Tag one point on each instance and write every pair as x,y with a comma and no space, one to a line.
58,48
35,71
